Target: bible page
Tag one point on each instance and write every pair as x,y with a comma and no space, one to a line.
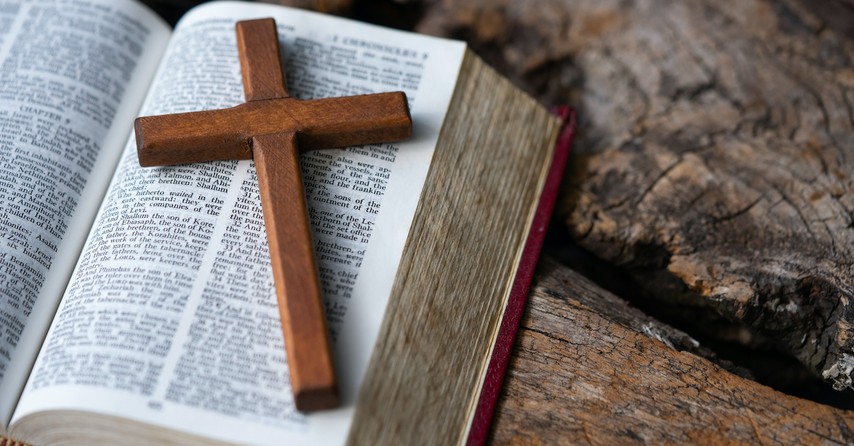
171,317
73,75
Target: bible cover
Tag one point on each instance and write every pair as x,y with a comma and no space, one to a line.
521,284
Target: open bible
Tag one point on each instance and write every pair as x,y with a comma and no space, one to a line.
137,305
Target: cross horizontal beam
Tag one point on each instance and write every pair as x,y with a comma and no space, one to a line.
225,134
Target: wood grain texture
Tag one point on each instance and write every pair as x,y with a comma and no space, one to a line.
312,375
715,154
590,369
270,128
260,61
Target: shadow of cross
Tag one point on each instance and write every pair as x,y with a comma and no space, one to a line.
271,128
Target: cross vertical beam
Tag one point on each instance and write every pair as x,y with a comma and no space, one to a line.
295,271
272,128
298,291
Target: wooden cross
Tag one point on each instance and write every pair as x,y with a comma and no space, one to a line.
272,128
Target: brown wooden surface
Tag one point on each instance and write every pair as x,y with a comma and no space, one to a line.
271,127
731,193
590,369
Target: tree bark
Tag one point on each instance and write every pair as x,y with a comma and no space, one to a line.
590,369
716,152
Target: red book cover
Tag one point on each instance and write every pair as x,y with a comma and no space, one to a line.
524,275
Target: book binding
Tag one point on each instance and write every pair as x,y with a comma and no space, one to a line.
509,328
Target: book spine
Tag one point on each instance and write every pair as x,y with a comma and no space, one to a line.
521,284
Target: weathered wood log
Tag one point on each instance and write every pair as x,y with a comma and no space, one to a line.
590,369
716,152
